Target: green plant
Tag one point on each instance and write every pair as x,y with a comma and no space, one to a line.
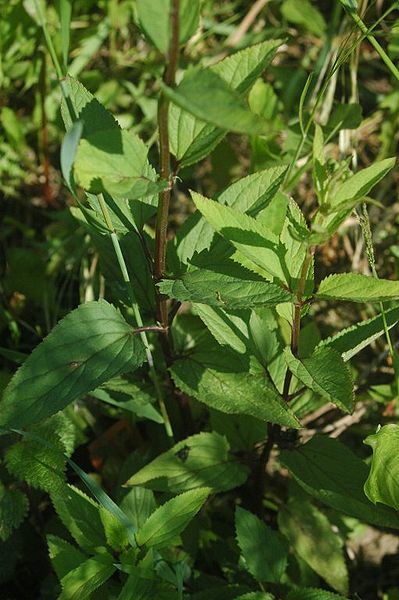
239,359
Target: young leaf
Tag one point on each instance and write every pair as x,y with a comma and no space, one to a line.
326,374
265,551
89,346
216,289
310,533
170,519
14,506
201,460
331,473
253,240
220,379
361,183
352,340
208,97
294,237
355,287
81,582
313,594
192,139
64,557
138,504
154,20
382,484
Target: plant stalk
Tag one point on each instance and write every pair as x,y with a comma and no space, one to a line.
161,228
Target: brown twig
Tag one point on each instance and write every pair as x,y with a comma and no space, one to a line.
246,23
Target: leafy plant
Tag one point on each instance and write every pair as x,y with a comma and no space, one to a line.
209,338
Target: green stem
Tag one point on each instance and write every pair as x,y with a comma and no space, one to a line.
376,45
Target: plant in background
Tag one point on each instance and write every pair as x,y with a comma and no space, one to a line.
210,337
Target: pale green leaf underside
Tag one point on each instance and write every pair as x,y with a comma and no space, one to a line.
355,287
305,526
215,289
89,346
326,374
170,519
201,460
205,95
382,484
331,473
252,239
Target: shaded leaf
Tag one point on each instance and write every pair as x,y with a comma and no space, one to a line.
64,557
14,506
82,581
382,484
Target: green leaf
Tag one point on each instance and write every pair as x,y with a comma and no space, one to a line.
310,533
115,161
382,484
352,340
82,581
64,9
115,532
14,507
304,14
355,287
89,346
294,237
64,557
170,519
326,374
252,239
43,466
219,378
69,148
138,504
207,96
154,20
138,588
80,515
331,473
265,551
192,139
202,460
228,329
216,289
313,594
255,596
94,116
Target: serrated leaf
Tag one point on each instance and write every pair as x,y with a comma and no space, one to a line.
355,287
154,19
313,594
294,238
205,95
138,504
382,484
43,466
191,138
64,557
325,373
115,532
89,346
265,551
361,183
81,582
352,340
330,472
228,329
202,460
220,379
170,519
14,506
252,239
249,195
81,516
94,116
305,526
216,289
